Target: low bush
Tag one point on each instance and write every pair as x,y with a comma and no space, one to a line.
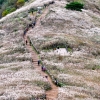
8,6
20,3
96,67
54,46
74,6
32,10
4,13
7,11
1,46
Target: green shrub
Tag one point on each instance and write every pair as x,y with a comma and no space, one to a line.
13,9
69,49
26,0
4,13
54,45
20,3
93,68
32,10
1,1
7,11
96,67
74,6
11,2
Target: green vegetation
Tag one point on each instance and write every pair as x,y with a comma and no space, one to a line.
8,6
7,11
54,46
1,46
60,84
32,10
80,1
20,3
69,49
1,1
95,67
74,6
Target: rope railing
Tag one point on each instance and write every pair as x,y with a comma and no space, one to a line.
59,84
52,77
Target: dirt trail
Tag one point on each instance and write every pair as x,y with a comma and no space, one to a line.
42,16
51,94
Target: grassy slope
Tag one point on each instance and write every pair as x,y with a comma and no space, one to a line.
18,78
79,70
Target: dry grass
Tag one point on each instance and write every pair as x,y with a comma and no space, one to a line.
72,77
44,85
16,68
79,70
23,98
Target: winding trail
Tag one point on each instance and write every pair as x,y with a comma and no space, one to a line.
51,94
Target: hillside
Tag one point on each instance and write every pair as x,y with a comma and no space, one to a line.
68,43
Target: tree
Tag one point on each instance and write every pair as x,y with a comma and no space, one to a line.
1,1
74,6
8,6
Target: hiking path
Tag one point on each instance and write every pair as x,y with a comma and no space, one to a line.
50,94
